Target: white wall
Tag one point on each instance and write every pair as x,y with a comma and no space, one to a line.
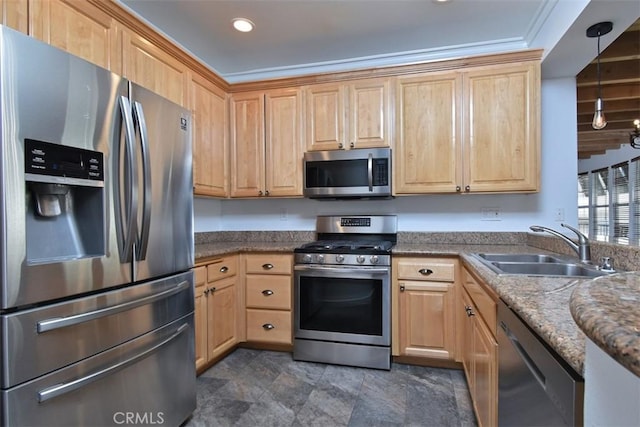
451,212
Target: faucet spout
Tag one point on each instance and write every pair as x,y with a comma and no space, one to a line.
582,248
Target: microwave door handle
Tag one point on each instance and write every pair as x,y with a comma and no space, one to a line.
142,243
370,171
125,232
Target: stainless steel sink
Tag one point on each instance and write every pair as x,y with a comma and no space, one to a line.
537,265
520,258
547,269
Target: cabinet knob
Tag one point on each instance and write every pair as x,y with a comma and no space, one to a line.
266,193
352,145
267,266
268,326
224,269
206,292
467,188
260,193
401,288
469,311
267,292
458,189
425,271
341,145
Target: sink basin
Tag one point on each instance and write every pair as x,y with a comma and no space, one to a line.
520,258
547,269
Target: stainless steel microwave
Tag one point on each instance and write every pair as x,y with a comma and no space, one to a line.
356,173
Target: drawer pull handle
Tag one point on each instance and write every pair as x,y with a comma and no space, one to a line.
268,326
267,266
425,271
401,288
267,292
469,311
224,269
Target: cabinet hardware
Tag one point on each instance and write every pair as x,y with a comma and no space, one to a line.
267,292
267,266
469,311
352,145
206,292
266,193
260,193
401,288
425,271
224,269
341,145
458,189
268,326
467,188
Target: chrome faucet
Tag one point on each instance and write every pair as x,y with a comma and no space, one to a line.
582,248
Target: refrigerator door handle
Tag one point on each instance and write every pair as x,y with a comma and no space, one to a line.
64,388
126,233
143,238
62,322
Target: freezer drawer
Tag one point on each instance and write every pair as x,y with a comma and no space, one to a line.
149,380
41,340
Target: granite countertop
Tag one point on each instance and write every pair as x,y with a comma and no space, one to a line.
606,309
543,302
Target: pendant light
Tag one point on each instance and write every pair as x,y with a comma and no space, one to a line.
597,30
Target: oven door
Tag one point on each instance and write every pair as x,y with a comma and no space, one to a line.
343,304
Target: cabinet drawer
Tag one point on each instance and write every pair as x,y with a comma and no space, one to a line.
200,276
432,269
221,268
269,264
268,291
273,326
485,306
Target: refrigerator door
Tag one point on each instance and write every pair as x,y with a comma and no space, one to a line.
164,242
58,232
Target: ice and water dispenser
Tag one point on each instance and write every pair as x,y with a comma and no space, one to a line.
65,202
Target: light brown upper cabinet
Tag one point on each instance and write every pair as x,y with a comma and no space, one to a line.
471,131
153,68
349,115
77,27
210,138
266,144
14,14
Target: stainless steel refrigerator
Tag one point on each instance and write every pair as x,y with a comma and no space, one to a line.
96,211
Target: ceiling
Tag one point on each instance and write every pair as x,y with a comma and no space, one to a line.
620,80
296,37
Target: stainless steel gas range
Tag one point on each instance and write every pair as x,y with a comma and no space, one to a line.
343,292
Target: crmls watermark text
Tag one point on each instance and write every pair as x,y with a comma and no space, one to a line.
133,418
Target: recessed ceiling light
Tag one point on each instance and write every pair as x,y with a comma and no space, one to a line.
243,24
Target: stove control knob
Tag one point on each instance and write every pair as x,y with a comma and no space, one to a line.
320,259
306,258
339,258
360,259
374,259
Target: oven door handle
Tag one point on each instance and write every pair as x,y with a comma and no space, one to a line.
370,171
381,270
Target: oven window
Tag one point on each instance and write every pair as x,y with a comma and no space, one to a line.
342,305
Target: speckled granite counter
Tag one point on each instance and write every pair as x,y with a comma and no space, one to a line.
606,309
543,302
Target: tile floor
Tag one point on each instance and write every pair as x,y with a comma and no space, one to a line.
267,388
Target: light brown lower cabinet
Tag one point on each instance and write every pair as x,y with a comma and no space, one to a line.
480,349
423,307
269,298
216,309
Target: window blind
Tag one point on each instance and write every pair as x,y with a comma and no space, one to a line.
600,202
634,193
583,203
620,203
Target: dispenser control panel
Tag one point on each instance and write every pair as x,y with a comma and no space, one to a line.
45,158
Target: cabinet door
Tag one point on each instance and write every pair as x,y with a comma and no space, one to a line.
325,117
153,68
221,316
200,316
283,167
502,120
14,14
485,352
78,28
427,153
427,325
370,113
210,138
247,145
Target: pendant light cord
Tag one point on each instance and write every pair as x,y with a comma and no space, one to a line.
598,68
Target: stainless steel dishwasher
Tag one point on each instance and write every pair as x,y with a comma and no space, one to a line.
535,386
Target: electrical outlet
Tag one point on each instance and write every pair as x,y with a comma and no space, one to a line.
559,214
491,214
